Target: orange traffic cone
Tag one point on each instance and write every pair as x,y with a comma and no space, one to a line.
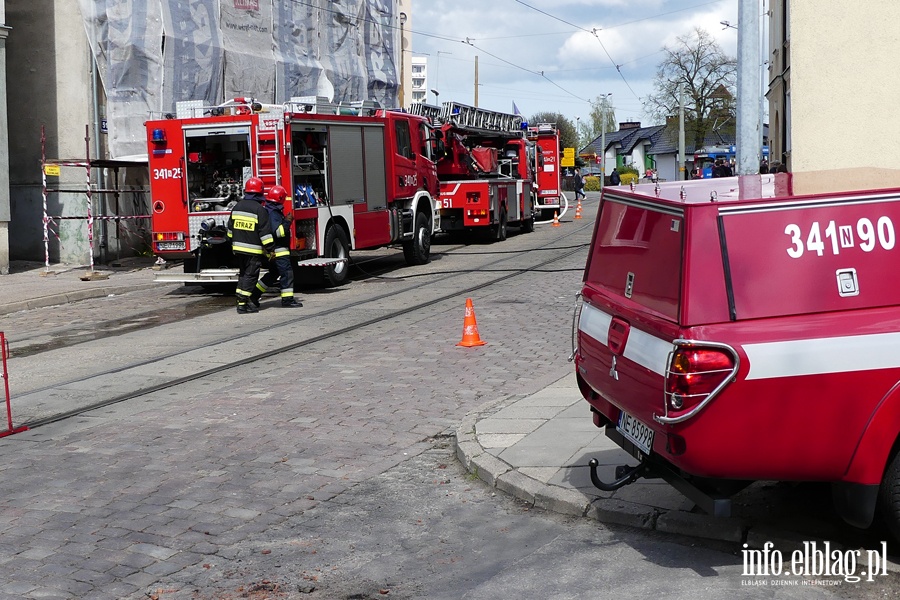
555,219
470,328
578,209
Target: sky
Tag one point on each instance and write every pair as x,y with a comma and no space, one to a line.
558,55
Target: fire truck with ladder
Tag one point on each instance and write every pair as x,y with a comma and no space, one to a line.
488,168
359,177
550,198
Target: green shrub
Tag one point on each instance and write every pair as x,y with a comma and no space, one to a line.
628,174
592,183
628,178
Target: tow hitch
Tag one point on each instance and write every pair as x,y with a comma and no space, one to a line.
624,475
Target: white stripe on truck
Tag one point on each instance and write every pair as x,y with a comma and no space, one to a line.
767,360
823,355
642,348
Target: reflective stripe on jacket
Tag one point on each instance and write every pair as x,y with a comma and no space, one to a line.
281,228
248,226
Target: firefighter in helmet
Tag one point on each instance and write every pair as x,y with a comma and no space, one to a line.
251,237
279,265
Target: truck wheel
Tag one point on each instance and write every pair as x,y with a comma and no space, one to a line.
527,225
336,246
889,497
418,250
500,232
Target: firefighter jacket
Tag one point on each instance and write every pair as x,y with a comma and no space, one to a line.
248,226
281,228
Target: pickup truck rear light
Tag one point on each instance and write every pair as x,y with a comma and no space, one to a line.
697,372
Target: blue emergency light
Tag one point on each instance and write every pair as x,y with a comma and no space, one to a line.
158,135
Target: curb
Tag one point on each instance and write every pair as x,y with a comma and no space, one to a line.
73,296
504,477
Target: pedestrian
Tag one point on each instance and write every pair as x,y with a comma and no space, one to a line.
579,185
614,178
763,167
251,236
279,263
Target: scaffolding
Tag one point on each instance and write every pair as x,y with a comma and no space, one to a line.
53,168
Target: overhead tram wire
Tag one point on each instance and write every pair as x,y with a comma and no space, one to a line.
593,32
468,41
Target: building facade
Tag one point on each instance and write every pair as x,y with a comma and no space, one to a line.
830,91
98,70
4,148
419,79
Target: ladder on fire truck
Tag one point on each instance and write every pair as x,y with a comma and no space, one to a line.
267,163
469,117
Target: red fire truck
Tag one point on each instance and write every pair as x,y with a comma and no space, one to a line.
550,198
486,171
732,331
360,177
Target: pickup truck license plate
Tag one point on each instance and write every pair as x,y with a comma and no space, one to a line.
635,431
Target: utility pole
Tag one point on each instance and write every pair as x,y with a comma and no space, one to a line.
476,81
603,141
682,172
402,64
748,88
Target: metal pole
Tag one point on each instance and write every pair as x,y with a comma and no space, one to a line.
748,88
402,69
682,173
603,144
476,81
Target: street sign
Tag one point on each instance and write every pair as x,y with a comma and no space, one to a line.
568,158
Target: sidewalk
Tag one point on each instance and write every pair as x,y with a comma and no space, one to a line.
537,449
31,285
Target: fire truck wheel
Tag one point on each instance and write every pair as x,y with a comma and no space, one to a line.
889,496
418,250
336,246
527,225
500,231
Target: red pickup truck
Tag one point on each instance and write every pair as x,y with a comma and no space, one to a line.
731,331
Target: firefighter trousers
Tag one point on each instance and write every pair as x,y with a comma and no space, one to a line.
249,266
280,271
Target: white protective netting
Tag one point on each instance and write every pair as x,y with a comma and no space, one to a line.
154,53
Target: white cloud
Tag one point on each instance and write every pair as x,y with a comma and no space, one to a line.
510,40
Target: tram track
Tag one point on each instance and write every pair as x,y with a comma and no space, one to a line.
348,316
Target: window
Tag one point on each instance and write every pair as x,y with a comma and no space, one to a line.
404,146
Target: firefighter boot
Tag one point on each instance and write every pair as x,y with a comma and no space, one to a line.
246,307
256,294
290,302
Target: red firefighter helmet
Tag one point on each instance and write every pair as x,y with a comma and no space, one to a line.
254,185
276,194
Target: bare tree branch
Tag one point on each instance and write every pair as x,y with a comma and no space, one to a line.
707,76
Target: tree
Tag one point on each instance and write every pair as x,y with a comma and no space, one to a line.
591,130
568,137
707,76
